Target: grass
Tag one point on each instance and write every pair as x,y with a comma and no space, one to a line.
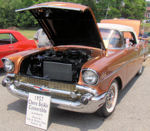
28,33
146,27
146,24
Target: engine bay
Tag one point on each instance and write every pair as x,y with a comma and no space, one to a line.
54,65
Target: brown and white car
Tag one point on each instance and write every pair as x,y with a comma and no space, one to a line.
79,73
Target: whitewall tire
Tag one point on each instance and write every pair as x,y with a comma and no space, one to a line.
111,100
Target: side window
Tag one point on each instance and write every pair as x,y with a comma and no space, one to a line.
129,39
13,39
4,39
115,40
7,39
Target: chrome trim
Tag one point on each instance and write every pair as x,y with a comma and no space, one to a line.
93,105
92,71
19,93
112,73
73,94
118,69
57,7
6,81
95,101
46,89
86,98
3,60
11,75
117,48
87,89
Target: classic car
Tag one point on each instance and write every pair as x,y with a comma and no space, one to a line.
79,73
11,42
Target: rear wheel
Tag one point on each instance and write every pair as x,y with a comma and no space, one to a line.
111,100
140,71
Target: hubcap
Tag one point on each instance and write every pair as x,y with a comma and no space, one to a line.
111,97
140,71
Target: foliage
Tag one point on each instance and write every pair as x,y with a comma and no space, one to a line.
133,9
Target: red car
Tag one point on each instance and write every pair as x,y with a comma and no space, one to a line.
11,42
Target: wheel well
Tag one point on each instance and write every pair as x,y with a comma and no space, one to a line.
118,79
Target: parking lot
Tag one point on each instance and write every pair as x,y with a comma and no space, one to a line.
132,112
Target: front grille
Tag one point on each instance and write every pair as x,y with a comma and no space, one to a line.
49,84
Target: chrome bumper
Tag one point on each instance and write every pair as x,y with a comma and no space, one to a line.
93,104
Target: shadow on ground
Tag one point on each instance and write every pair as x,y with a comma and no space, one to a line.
84,122
19,106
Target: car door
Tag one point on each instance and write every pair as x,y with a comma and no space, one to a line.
132,49
7,41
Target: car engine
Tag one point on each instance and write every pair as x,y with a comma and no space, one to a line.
56,65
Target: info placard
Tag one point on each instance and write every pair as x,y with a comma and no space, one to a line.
38,109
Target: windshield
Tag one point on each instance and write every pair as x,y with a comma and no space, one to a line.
111,38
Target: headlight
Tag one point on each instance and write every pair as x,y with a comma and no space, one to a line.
90,77
8,65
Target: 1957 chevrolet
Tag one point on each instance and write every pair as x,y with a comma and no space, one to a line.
80,73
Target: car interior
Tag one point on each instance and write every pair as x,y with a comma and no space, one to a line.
7,39
129,39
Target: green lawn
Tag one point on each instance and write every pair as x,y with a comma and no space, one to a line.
28,33
146,24
146,27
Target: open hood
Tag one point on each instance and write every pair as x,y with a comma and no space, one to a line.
67,23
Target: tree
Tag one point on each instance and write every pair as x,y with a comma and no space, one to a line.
133,9
8,16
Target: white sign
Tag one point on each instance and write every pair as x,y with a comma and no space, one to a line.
38,109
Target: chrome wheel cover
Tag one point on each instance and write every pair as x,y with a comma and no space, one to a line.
140,71
111,98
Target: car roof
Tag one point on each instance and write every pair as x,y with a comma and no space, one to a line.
121,28
7,31
135,24
115,27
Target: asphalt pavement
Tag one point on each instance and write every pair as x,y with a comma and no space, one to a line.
132,112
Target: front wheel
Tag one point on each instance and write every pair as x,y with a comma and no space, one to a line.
111,100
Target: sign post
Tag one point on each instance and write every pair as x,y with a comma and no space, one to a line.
38,109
